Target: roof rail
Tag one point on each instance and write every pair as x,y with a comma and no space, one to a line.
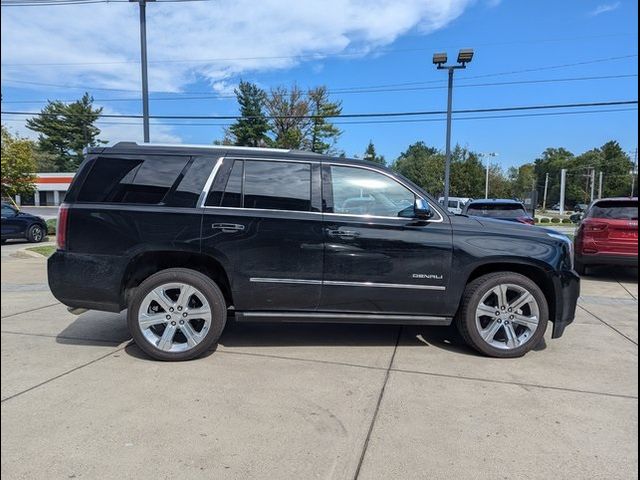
221,147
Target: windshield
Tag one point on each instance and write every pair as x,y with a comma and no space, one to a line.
615,210
497,210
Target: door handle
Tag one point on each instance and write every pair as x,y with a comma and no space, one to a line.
228,227
343,233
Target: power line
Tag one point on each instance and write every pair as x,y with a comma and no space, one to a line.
204,96
370,122
352,115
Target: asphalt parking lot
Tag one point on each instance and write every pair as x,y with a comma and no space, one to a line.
290,401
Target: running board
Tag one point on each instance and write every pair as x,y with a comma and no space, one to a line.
317,317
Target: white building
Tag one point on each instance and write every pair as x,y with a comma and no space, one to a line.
50,189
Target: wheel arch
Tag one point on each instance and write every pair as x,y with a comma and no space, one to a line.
535,272
147,263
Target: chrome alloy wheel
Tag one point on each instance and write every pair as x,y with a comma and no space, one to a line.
507,316
37,234
174,317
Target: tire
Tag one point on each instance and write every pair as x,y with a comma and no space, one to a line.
475,320
36,233
169,312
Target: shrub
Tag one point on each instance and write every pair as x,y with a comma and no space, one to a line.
566,220
536,220
545,220
555,220
51,226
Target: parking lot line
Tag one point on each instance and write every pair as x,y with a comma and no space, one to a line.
31,310
608,325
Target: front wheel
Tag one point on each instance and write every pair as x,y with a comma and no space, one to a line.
503,314
35,234
176,314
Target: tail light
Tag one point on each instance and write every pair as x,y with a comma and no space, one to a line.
61,228
526,220
595,227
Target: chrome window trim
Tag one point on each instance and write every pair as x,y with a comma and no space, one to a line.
408,187
296,281
216,168
272,159
209,182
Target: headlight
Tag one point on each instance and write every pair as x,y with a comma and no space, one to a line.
567,240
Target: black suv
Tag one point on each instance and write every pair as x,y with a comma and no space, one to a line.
20,225
183,236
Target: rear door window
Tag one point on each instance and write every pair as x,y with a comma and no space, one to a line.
132,180
277,185
615,210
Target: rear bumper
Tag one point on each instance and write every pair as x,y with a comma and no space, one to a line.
628,260
567,290
86,281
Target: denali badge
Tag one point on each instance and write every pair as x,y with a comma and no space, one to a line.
430,276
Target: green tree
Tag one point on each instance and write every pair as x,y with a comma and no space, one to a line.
467,174
616,167
18,165
65,130
522,180
371,155
322,135
552,161
289,111
423,165
251,128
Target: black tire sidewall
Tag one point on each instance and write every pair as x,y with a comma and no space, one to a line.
178,275
31,231
486,283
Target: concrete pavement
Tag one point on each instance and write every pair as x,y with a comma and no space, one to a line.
315,401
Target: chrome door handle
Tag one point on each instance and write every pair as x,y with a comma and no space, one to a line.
228,227
343,233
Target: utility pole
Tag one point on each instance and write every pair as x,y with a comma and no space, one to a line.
634,172
593,183
486,183
600,185
486,179
563,184
546,187
143,64
440,59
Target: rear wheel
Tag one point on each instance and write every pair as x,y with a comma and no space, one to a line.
35,234
503,314
176,314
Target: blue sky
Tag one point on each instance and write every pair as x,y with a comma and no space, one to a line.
205,48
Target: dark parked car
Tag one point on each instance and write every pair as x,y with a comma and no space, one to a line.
608,234
580,207
183,236
21,225
500,209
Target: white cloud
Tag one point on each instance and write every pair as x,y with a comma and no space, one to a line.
111,129
231,38
604,8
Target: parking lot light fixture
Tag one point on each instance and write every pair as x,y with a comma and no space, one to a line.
465,55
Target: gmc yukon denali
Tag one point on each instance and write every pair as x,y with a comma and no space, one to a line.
184,236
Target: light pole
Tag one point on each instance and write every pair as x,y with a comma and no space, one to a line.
440,59
143,63
486,180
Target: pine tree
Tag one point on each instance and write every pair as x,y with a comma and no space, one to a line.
65,130
322,135
371,155
251,128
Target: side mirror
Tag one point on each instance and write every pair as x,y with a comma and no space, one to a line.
422,209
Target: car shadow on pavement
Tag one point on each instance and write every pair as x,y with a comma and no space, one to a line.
95,328
99,329
612,274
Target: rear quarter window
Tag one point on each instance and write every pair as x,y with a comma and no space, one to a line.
131,180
